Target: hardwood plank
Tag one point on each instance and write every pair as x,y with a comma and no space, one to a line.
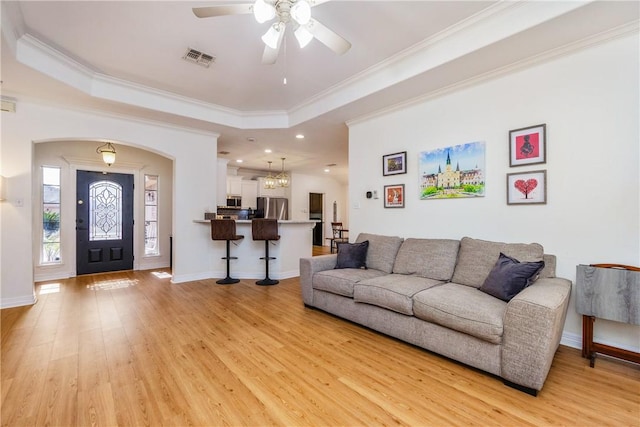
96,406
93,368
132,349
24,396
59,398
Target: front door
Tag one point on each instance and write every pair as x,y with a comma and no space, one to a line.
104,222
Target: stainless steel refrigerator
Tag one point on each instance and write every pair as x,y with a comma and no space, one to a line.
273,207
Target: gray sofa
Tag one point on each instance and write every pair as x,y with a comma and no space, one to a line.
427,292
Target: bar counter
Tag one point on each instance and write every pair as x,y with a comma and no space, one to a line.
296,240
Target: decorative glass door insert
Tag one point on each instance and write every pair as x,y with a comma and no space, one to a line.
105,211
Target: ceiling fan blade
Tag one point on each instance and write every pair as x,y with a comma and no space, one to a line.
229,9
328,37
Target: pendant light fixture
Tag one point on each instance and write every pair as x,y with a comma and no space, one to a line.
270,180
282,177
108,152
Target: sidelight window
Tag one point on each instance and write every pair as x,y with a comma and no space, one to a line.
50,250
151,215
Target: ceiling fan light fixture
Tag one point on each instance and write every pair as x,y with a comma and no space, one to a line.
273,36
263,11
303,36
301,12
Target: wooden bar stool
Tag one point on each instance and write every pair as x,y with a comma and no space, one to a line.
267,230
225,229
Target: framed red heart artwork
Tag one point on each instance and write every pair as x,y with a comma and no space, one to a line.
527,188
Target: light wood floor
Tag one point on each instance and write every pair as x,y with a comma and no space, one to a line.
132,349
320,250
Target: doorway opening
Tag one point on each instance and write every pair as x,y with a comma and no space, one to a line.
316,203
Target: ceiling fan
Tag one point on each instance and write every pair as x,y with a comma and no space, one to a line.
294,12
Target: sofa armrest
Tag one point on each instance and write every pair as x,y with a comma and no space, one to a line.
309,267
533,324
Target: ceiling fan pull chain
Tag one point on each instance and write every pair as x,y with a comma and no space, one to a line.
284,81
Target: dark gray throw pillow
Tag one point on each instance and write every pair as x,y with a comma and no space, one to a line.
352,255
509,276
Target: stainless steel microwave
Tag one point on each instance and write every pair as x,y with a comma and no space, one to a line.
234,202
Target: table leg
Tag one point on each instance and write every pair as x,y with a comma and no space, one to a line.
587,336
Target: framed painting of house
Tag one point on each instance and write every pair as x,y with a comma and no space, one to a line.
394,164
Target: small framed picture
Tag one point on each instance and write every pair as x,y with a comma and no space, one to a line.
527,188
394,164
394,196
528,146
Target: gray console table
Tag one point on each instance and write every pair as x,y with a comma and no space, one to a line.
611,292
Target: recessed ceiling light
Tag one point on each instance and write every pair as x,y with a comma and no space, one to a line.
327,170
268,150
300,136
239,161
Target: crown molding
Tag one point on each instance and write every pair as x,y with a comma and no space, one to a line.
630,29
497,22
12,24
19,99
36,54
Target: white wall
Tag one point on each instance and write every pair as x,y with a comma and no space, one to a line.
71,156
194,155
589,102
302,185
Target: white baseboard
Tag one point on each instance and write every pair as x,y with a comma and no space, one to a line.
18,301
571,340
574,340
182,278
47,277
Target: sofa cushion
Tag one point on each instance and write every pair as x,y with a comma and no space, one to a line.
382,250
476,258
432,258
393,291
352,255
341,281
509,276
462,308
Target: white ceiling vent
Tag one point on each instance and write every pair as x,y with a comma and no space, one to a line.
198,57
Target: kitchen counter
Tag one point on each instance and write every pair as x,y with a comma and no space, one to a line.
295,243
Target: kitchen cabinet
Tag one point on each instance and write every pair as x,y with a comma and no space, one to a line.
268,192
249,194
234,185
